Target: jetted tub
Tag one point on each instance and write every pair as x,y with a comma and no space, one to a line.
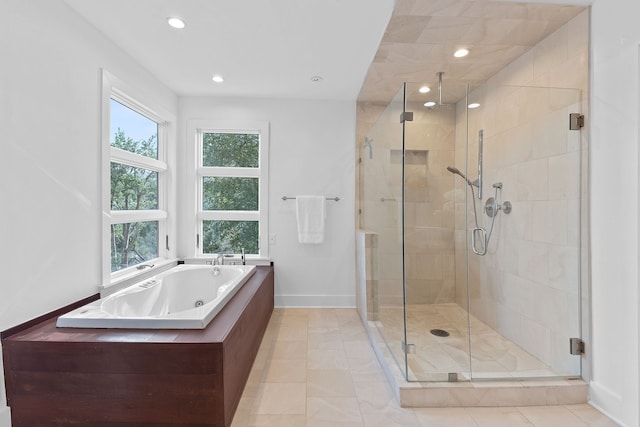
184,297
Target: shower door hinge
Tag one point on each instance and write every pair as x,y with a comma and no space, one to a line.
407,116
576,346
408,348
576,121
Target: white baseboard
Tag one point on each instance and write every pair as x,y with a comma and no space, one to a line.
5,416
605,401
324,301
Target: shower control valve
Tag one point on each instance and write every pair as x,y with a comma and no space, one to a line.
491,207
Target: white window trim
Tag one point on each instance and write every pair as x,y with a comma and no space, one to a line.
194,173
114,88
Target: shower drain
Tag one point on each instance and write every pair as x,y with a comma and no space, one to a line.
439,332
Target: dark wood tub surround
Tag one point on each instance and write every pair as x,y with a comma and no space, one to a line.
129,377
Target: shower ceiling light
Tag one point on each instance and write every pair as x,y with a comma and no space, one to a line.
430,104
461,53
424,89
473,105
316,78
176,22
217,78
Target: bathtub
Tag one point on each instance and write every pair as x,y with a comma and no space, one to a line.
184,297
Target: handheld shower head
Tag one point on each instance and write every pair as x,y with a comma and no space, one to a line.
456,171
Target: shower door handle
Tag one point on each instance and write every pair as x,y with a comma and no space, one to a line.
482,234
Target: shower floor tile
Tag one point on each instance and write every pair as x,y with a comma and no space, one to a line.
432,358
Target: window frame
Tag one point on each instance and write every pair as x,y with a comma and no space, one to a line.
119,91
196,173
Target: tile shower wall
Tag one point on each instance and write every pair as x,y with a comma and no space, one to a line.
429,221
526,287
428,209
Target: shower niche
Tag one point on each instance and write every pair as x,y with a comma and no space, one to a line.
474,207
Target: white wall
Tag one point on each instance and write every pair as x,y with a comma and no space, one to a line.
311,152
50,82
614,232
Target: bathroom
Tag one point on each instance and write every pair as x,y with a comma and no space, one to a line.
52,227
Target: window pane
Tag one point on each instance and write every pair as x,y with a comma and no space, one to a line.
133,243
230,194
230,237
133,188
233,150
131,131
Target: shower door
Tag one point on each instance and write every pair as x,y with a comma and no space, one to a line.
436,311
381,217
524,293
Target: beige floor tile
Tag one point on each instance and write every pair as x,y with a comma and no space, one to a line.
289,350
329,383
551,416
390,418
274,421
454,417
591,416
498,417
365,370
320,320
333,410
375,396
354,333
291,333
327,359
285,371
359,350
280,398
325,341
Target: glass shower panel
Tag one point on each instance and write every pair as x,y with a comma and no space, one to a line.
436,310
381,218
524,292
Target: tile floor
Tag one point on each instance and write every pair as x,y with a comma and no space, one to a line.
493,355
316,367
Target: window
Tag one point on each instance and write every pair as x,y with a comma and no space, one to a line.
231,187
135,183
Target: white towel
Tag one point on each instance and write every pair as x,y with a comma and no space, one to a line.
310,213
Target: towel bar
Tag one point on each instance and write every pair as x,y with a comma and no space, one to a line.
335,199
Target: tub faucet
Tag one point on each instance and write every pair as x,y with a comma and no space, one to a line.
244,260
218,259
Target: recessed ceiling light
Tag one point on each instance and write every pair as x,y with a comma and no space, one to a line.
217,78
430,104
461,53
316,78
176,22
473,105
424,89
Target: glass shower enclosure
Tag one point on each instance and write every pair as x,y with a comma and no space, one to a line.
474,203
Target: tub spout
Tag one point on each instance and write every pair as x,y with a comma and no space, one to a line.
218,260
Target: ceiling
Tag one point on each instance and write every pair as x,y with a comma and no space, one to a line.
362,49
422,36
263,48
